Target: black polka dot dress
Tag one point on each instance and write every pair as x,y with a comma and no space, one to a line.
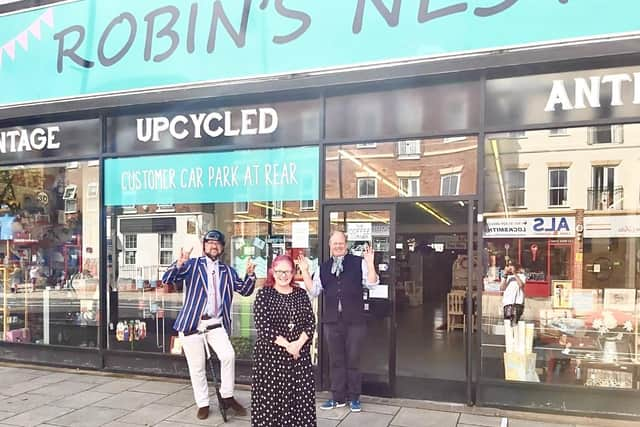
283,389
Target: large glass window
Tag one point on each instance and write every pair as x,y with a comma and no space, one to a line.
402,169
579,251
50,253
261,223
558,186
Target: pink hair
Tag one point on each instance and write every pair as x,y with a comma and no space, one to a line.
271,280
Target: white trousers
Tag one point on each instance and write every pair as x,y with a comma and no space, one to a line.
193,346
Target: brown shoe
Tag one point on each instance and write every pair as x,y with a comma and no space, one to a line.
237,408
203,413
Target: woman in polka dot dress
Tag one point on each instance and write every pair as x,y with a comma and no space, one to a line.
283,390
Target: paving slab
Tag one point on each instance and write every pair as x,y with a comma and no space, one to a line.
159,387
410,417
6,414
23,402
322,422
332,414
150,414
118,385
90,416
81,400
380,409
36,416
479,420
529,423
62,388
130,400
181,398
369,419
188,416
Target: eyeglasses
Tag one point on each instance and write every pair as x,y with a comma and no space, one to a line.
287,272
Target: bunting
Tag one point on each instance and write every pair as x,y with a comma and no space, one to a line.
22,39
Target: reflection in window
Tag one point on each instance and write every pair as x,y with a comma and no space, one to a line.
449,184
367,187
558,187
515,188
581,262
166,248
409,149
346,164
50,254
241,207
130,248
308,205
151,241
409,187
608,134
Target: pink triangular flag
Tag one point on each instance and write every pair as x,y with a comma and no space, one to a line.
10,48
23,40
35,29
47,17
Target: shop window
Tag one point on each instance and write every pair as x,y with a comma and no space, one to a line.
367,187
454,139
130,248
241,207
409,187
604,193
558,187
277,208
409,149
517,134
559,132
308,205
366,145
608,134
450,184
166,248
345,165
50,254
165,208
515,180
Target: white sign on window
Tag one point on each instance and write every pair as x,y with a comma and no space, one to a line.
357,231
300,235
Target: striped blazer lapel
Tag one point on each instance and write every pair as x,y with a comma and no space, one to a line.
224,284
202,275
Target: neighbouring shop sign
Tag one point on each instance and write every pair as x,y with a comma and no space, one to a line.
612,226
551,226
238,176
48,140
85,47
561,98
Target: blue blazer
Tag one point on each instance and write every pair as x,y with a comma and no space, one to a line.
194,273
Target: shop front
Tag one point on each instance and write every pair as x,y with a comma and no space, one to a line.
450,168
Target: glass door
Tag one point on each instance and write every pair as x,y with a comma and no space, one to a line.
374,226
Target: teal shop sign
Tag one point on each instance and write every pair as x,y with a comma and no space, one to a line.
239,176
89,47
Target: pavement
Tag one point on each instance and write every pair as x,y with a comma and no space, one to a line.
43,396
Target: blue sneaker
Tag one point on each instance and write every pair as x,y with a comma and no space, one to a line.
331,404
355,406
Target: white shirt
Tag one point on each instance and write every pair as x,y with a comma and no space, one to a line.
513,294
213,289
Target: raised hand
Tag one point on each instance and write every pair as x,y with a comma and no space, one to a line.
368,254
251,267
303,263
183,257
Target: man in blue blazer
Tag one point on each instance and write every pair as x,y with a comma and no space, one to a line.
209,288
